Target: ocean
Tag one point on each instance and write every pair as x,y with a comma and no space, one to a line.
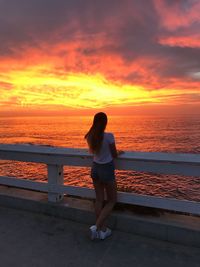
178,134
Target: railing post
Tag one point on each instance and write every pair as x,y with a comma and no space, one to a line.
55,178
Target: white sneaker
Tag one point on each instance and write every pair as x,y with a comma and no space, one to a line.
107,233
93,232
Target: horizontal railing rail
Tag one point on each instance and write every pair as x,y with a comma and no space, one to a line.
55,158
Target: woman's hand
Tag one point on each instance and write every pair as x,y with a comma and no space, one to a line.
115,153
119,152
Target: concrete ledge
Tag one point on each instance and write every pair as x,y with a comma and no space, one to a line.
156,228
181,229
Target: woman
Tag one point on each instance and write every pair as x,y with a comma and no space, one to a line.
102,146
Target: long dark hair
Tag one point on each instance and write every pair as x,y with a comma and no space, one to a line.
94,136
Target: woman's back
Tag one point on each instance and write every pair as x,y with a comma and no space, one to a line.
104,155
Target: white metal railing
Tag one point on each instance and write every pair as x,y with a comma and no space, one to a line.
55,158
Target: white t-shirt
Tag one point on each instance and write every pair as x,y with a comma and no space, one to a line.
104,155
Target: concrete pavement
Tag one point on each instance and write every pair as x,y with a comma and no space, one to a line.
32,240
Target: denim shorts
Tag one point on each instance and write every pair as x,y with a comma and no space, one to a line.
103,172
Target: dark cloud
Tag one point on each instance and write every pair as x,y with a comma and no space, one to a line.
21,19
181,61
30,22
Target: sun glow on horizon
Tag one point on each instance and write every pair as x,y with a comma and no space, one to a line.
35,86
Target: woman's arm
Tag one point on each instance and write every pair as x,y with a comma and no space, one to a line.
114,151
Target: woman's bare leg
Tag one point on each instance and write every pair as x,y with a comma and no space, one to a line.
111,192
99,190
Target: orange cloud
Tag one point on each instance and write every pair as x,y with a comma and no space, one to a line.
181,41
177,14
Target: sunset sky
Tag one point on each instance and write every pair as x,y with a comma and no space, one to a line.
82,55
